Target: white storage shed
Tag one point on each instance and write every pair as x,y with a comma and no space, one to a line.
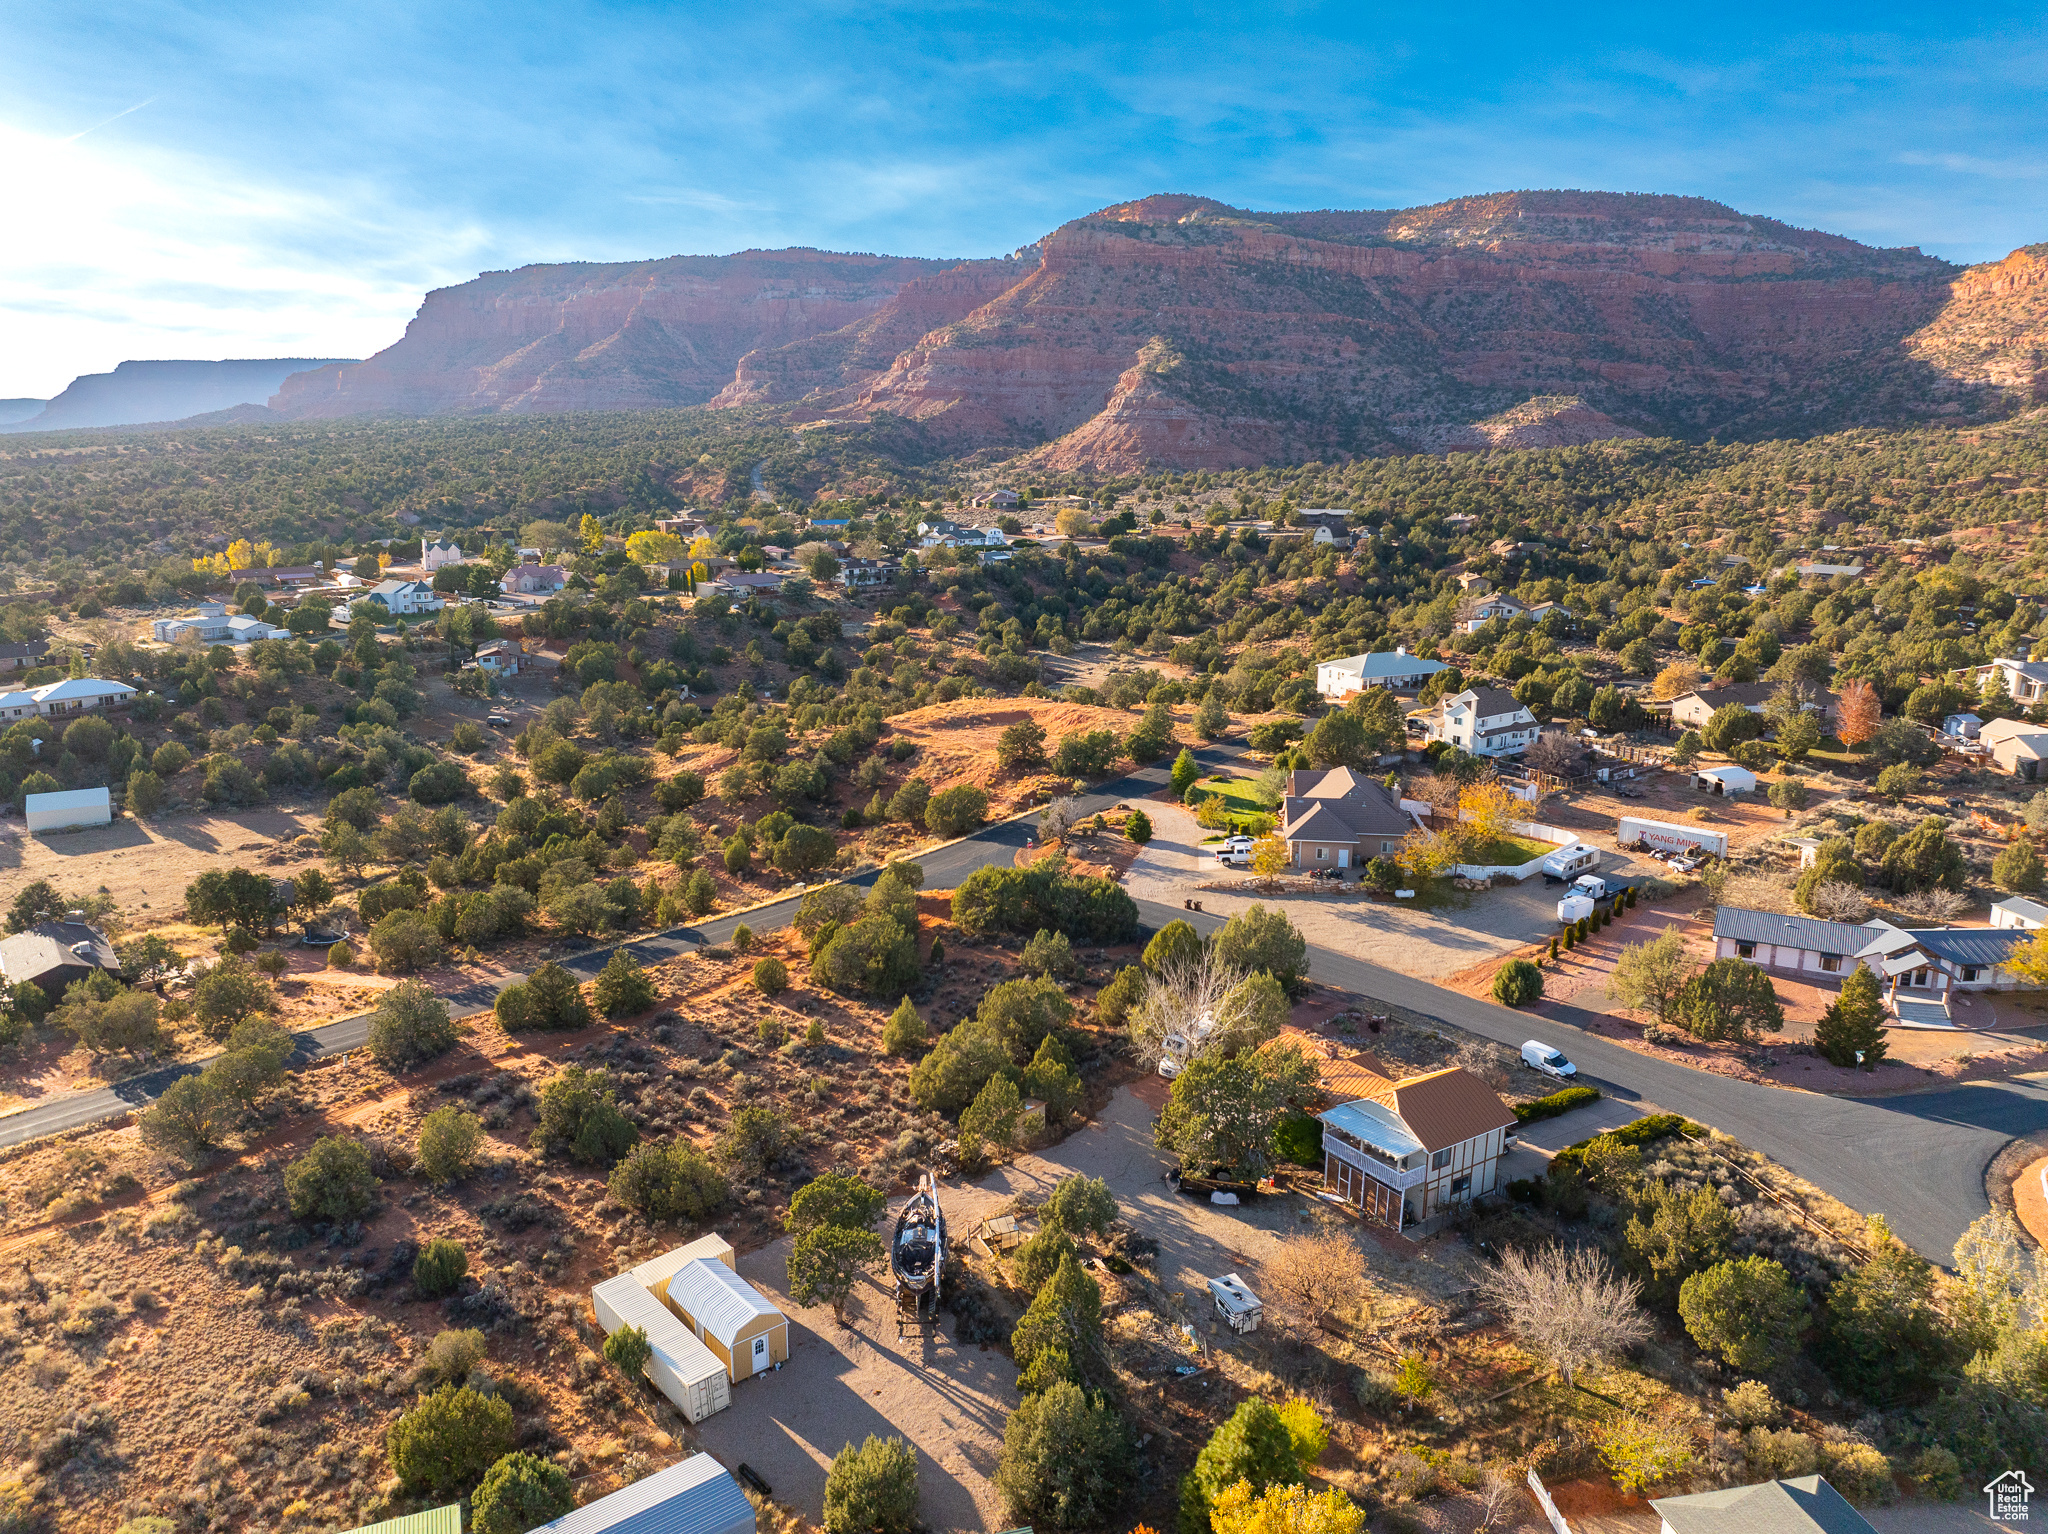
733,1318
71,807
681,1366
692,1496
1725,780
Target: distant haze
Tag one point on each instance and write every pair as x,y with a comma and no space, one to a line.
138,393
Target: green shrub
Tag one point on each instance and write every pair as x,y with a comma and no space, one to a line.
411,1025
622,987
771,975
1517,983
449,1142
1562,1101
905,1033
447,1441
440,1268
872,1489
628,1350
1299,1139
332,1182
1751,1404
672,1182
520,1492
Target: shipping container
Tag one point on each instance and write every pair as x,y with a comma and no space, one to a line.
681,1366
1668,837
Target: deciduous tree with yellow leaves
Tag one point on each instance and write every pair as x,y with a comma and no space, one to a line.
1284,1510
1487,809
649,548
591,532
240,555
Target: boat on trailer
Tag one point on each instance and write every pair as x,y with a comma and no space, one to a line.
917,1254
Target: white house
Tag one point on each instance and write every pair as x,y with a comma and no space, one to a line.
77,694
404,598
2018,911
2026,680
1922,968
959,535
1962,726
214,624
1395,669
71,807
1486,721
501,657
1476,613
434,554
17,705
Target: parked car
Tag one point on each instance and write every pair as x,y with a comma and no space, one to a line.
1539,1056
496,719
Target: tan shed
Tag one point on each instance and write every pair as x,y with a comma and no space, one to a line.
655,1273
732,1317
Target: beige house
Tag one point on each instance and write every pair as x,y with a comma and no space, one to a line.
1692,710
1340,819
1403,1152
2017,747
730,1316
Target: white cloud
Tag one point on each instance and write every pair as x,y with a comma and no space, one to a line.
126,251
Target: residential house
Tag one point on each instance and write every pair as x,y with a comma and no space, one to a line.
1544,610
1474,585
52,954
1326,525
501,657
959,535
1340,819
1923,969
436,552
2026,680
740,583
532,580
1402,1152
403,598
999,500
17,705
24,654
212,623
1824,571
2018,911
1692,710
1461,521
1804,1505
2017,747
689,529
77,694
1476,612
1395,669
866,574
693,1496
1962,726
1485,720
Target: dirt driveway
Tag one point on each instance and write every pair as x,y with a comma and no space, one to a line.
145,865
1428,943
951,1403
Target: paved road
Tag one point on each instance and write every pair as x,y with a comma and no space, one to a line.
1918,1159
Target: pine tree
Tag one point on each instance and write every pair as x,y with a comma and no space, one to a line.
1185,772
1066,1314
1853,1023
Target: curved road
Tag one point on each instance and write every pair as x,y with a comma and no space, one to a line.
1919,1159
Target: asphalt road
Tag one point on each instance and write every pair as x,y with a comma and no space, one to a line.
1918,1159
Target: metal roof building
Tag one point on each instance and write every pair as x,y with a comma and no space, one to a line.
1806,933
437,1520
68,808
734,1319
692,1496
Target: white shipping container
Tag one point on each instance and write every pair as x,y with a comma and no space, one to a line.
1669,837
682,1368
66,808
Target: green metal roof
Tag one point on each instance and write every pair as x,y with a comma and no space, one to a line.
437,1520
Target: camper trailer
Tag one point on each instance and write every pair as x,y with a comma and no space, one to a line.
1567,863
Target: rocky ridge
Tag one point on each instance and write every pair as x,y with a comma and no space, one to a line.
1178,331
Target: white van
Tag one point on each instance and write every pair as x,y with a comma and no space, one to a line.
1539,1056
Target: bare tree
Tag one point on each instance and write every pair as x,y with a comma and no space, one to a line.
1499,1491
1932,904
1058,817
1555,754
1318,1271
1569,1306
1206,1004
1838,900
1435,789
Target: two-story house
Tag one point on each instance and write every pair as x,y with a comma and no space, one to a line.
436,553
1404,1151
1340,819
867,574
2026,680
1485,720
404,598
1476,612
1395,669
532,580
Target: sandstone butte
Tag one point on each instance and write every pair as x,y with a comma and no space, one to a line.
1176,331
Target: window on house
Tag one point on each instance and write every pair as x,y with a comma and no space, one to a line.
1439,1161
1322,854
1461,1185
1971,972
1922,977
1831,963
1745,950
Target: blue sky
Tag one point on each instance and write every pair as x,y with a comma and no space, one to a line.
262,180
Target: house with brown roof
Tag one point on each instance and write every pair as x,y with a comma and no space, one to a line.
1340,819
1403,1152
1692,710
